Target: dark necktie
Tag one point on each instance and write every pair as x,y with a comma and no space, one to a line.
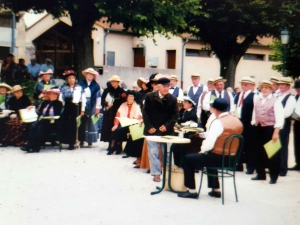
172,88
48,109
220,94
242,100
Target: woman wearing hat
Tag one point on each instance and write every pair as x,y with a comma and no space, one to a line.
142,83
129,109
15,129
87,130
40,129
71,95
268,118
189,113
4,97
45,83
112,98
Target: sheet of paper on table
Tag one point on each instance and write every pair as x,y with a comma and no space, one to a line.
136,131
272,147
28,115
125,122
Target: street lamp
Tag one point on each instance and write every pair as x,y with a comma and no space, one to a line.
284,40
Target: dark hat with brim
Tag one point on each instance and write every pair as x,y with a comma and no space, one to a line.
220,104
130,92
163,81
297,84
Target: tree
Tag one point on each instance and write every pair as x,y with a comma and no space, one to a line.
142,17
231,26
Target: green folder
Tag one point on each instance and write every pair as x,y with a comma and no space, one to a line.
272,147
1,99
212,98
48,86
136,131
78,119
95,118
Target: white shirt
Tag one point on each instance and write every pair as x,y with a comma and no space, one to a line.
276,92
289,106
206,101
278,111
199,105
195,88
215,130
180,92
238,108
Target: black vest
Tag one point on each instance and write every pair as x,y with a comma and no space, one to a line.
247,109
226,97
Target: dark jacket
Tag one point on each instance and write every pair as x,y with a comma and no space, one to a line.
17,104
158,112
188,116
57,107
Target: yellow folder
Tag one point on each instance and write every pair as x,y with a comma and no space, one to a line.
136,131
125,122
272,147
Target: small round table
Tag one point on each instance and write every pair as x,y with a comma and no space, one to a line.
167,139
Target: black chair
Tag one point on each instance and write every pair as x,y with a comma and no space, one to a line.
229,162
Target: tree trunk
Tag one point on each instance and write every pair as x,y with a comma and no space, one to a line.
228,69
83,43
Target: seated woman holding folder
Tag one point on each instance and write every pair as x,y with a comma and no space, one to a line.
15,129
38,131
129,109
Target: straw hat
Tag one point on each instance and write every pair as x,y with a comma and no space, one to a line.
189,100
49,71
195,75
219,79
90,71
274,79
157,77
266,83
115,78
16,88
142,80
5,86
173,77
179,100
210,80
285,80
247,80
67,73
52,90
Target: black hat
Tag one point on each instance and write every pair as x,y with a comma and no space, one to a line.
163,81
152,76
297,84
220,104
131,92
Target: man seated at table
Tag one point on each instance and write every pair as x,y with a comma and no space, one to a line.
221,128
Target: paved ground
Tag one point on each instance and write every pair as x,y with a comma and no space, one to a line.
87,187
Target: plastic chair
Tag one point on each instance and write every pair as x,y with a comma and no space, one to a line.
228,167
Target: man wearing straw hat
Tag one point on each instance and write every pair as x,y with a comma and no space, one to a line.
218,92
244,103
288,102
274,80
174,90
196,89
201,113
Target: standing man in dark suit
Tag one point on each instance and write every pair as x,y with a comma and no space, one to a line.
297,129
244,103
196,89
160,113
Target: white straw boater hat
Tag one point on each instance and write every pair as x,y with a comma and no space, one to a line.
49,71
274,79
5,86
142,80
173,77
52,90
195,75
16,88
248,80
189,100
90,71
266,83
115,78
285,80
219,79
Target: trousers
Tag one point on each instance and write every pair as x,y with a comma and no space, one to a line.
284,139
153,152
297,142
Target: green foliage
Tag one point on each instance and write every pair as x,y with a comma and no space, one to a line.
28,86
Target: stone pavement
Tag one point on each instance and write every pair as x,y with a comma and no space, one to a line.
87,187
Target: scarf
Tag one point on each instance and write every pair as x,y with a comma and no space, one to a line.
135,111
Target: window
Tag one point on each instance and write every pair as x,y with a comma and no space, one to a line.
171,59
257,57
139,58
197,53
111,58
4,51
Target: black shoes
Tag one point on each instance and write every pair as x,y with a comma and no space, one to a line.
272,181
125,156
282,174
26,149
215,194
296,168
258,178
136,167
187,194
71,147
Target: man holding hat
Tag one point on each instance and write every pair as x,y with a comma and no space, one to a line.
196,89
45,83
160,113
174,90
218,92
288,102
268,118
274,80
201,113
221,128
244,103
297,129
34,69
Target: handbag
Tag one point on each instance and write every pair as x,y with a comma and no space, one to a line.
177,179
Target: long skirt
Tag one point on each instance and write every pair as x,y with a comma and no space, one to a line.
134,148
15,132
108,123
68,123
